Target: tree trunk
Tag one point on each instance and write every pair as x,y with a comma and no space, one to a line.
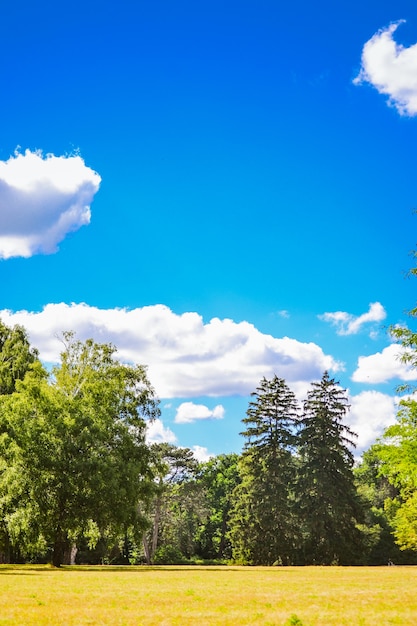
222,544
5,553
146,549
70,552
156,527
60,546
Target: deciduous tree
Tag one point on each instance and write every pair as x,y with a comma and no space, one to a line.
73,445
219,477
16,358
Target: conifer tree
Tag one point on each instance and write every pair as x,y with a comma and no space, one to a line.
262,527
328,503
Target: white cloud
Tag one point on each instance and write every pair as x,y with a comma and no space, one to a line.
42,199
383,366
391,69
201,453
348,324
156,432
370,414
186,357
188,412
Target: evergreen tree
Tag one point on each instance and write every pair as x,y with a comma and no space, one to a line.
262,524
328,501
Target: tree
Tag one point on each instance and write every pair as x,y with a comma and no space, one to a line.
219,477
262,522
397,449
74,451
407,337
172,467
397,454
328,501
377,494
16,359
16,356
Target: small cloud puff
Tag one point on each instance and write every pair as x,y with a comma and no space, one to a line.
284,313
189,412
348,324
42,199
391,69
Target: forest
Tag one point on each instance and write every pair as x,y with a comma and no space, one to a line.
79,484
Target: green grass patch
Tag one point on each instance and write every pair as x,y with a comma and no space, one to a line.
227,596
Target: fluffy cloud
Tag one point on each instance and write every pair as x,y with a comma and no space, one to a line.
186,357
348,324
391,69
188,412
370,414
156,432
42,199
383,366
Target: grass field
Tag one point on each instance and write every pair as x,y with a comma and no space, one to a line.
307,596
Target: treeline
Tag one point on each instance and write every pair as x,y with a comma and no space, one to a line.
79,483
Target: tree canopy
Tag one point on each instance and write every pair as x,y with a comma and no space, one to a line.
73,447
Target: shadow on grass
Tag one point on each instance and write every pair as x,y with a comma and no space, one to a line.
22,570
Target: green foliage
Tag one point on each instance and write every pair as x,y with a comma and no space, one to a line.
16,356
219,477
329,506
178,505
375,490
294,621
73,450
169,555
262,523
397,449
397,456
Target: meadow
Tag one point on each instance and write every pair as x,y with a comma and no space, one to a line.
168,596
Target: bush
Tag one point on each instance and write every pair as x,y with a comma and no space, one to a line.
169,555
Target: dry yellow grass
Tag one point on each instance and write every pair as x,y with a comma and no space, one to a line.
168,596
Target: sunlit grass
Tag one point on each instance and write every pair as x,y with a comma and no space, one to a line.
303,596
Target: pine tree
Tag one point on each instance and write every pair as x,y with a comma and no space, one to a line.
328,502
262,528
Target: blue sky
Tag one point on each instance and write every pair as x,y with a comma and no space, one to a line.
224,190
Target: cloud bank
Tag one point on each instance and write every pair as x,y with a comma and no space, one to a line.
42,199
391,69
186,357
348,324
